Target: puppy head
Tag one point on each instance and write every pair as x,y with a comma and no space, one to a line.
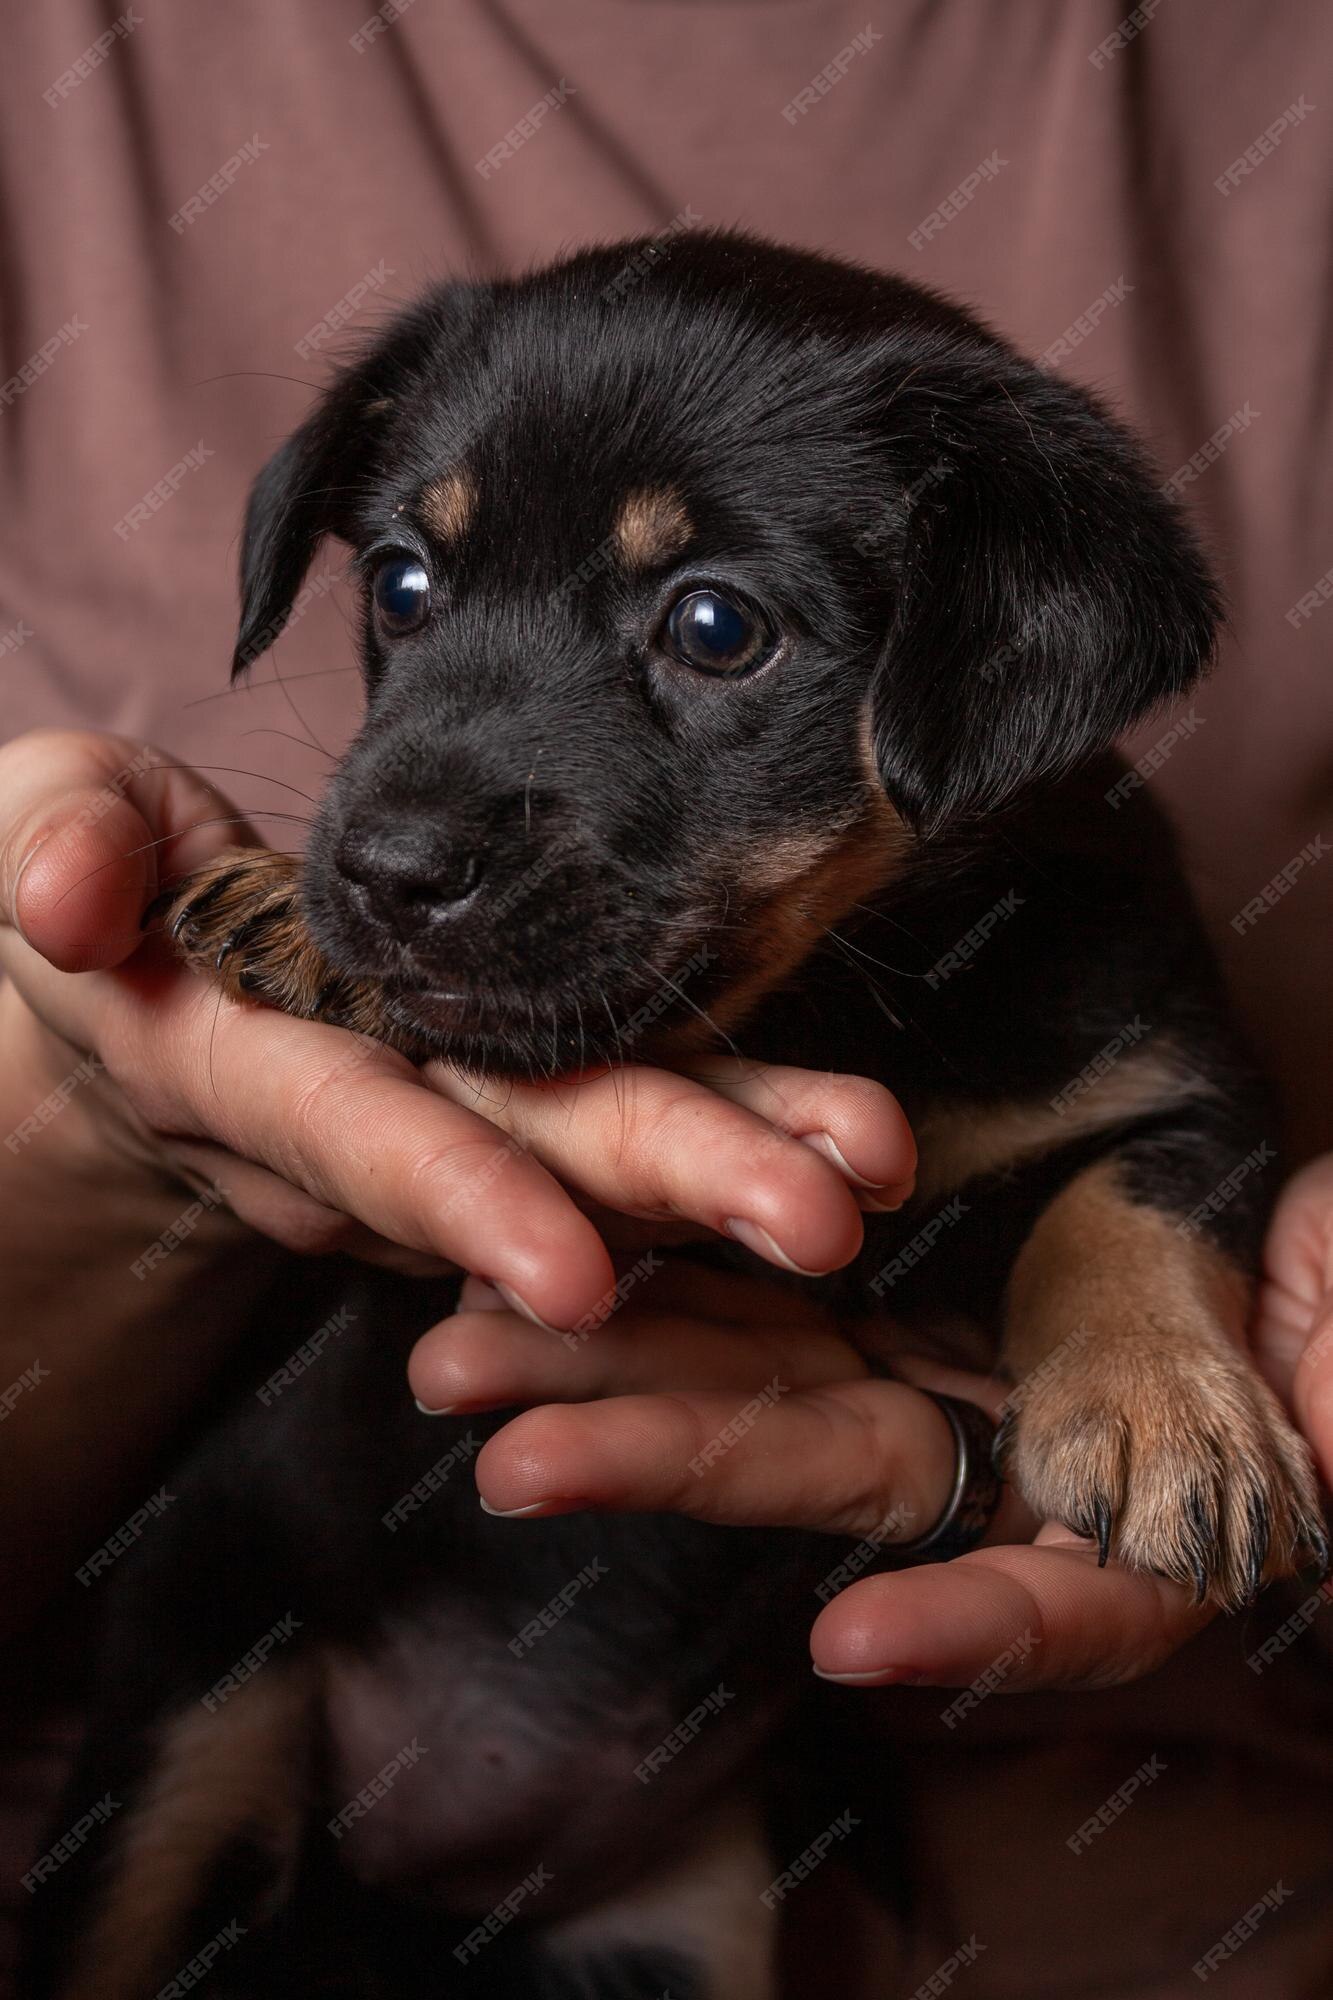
705,585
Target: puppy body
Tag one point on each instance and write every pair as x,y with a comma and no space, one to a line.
871,829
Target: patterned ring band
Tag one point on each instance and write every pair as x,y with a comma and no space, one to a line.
971,1506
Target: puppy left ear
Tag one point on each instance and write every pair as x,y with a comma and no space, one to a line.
1048,594
311,486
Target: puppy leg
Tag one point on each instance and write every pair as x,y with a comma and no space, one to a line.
239,921
1137,1418
698,1930
210,1842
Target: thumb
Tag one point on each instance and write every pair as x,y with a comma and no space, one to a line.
91,826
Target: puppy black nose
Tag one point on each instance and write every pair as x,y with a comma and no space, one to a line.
409,872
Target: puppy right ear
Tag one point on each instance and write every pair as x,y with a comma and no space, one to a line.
311,486
300,496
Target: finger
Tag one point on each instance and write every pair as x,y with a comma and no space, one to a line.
853,1122
287,1215
93,824
484,1359
1008,1618
650,1143
845,1458
1312,1388
350,1123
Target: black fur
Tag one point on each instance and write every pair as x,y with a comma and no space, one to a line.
970,569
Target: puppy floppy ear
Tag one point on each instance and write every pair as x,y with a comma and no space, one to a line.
313,484
1048,595
298,498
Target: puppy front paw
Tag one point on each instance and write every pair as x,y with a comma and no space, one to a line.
239,922
1173,1455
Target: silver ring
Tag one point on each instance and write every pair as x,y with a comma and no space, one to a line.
975,1496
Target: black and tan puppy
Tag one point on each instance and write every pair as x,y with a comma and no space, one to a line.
749,630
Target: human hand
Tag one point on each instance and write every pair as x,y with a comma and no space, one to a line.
626,1414
323,1141
1293,1324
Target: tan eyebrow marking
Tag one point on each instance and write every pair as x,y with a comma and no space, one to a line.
448,505
652,524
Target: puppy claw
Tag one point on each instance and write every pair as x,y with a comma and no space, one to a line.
158,907
1102,1516
1173,1457
1314,1539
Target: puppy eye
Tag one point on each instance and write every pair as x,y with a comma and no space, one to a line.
400,593
715,635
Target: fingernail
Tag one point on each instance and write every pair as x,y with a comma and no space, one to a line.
536,1507
752,1237
883,1676
519,1305
480,1295
886,1201
446,1410
825,1143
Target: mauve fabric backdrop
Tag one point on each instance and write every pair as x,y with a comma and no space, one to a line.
1142,196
